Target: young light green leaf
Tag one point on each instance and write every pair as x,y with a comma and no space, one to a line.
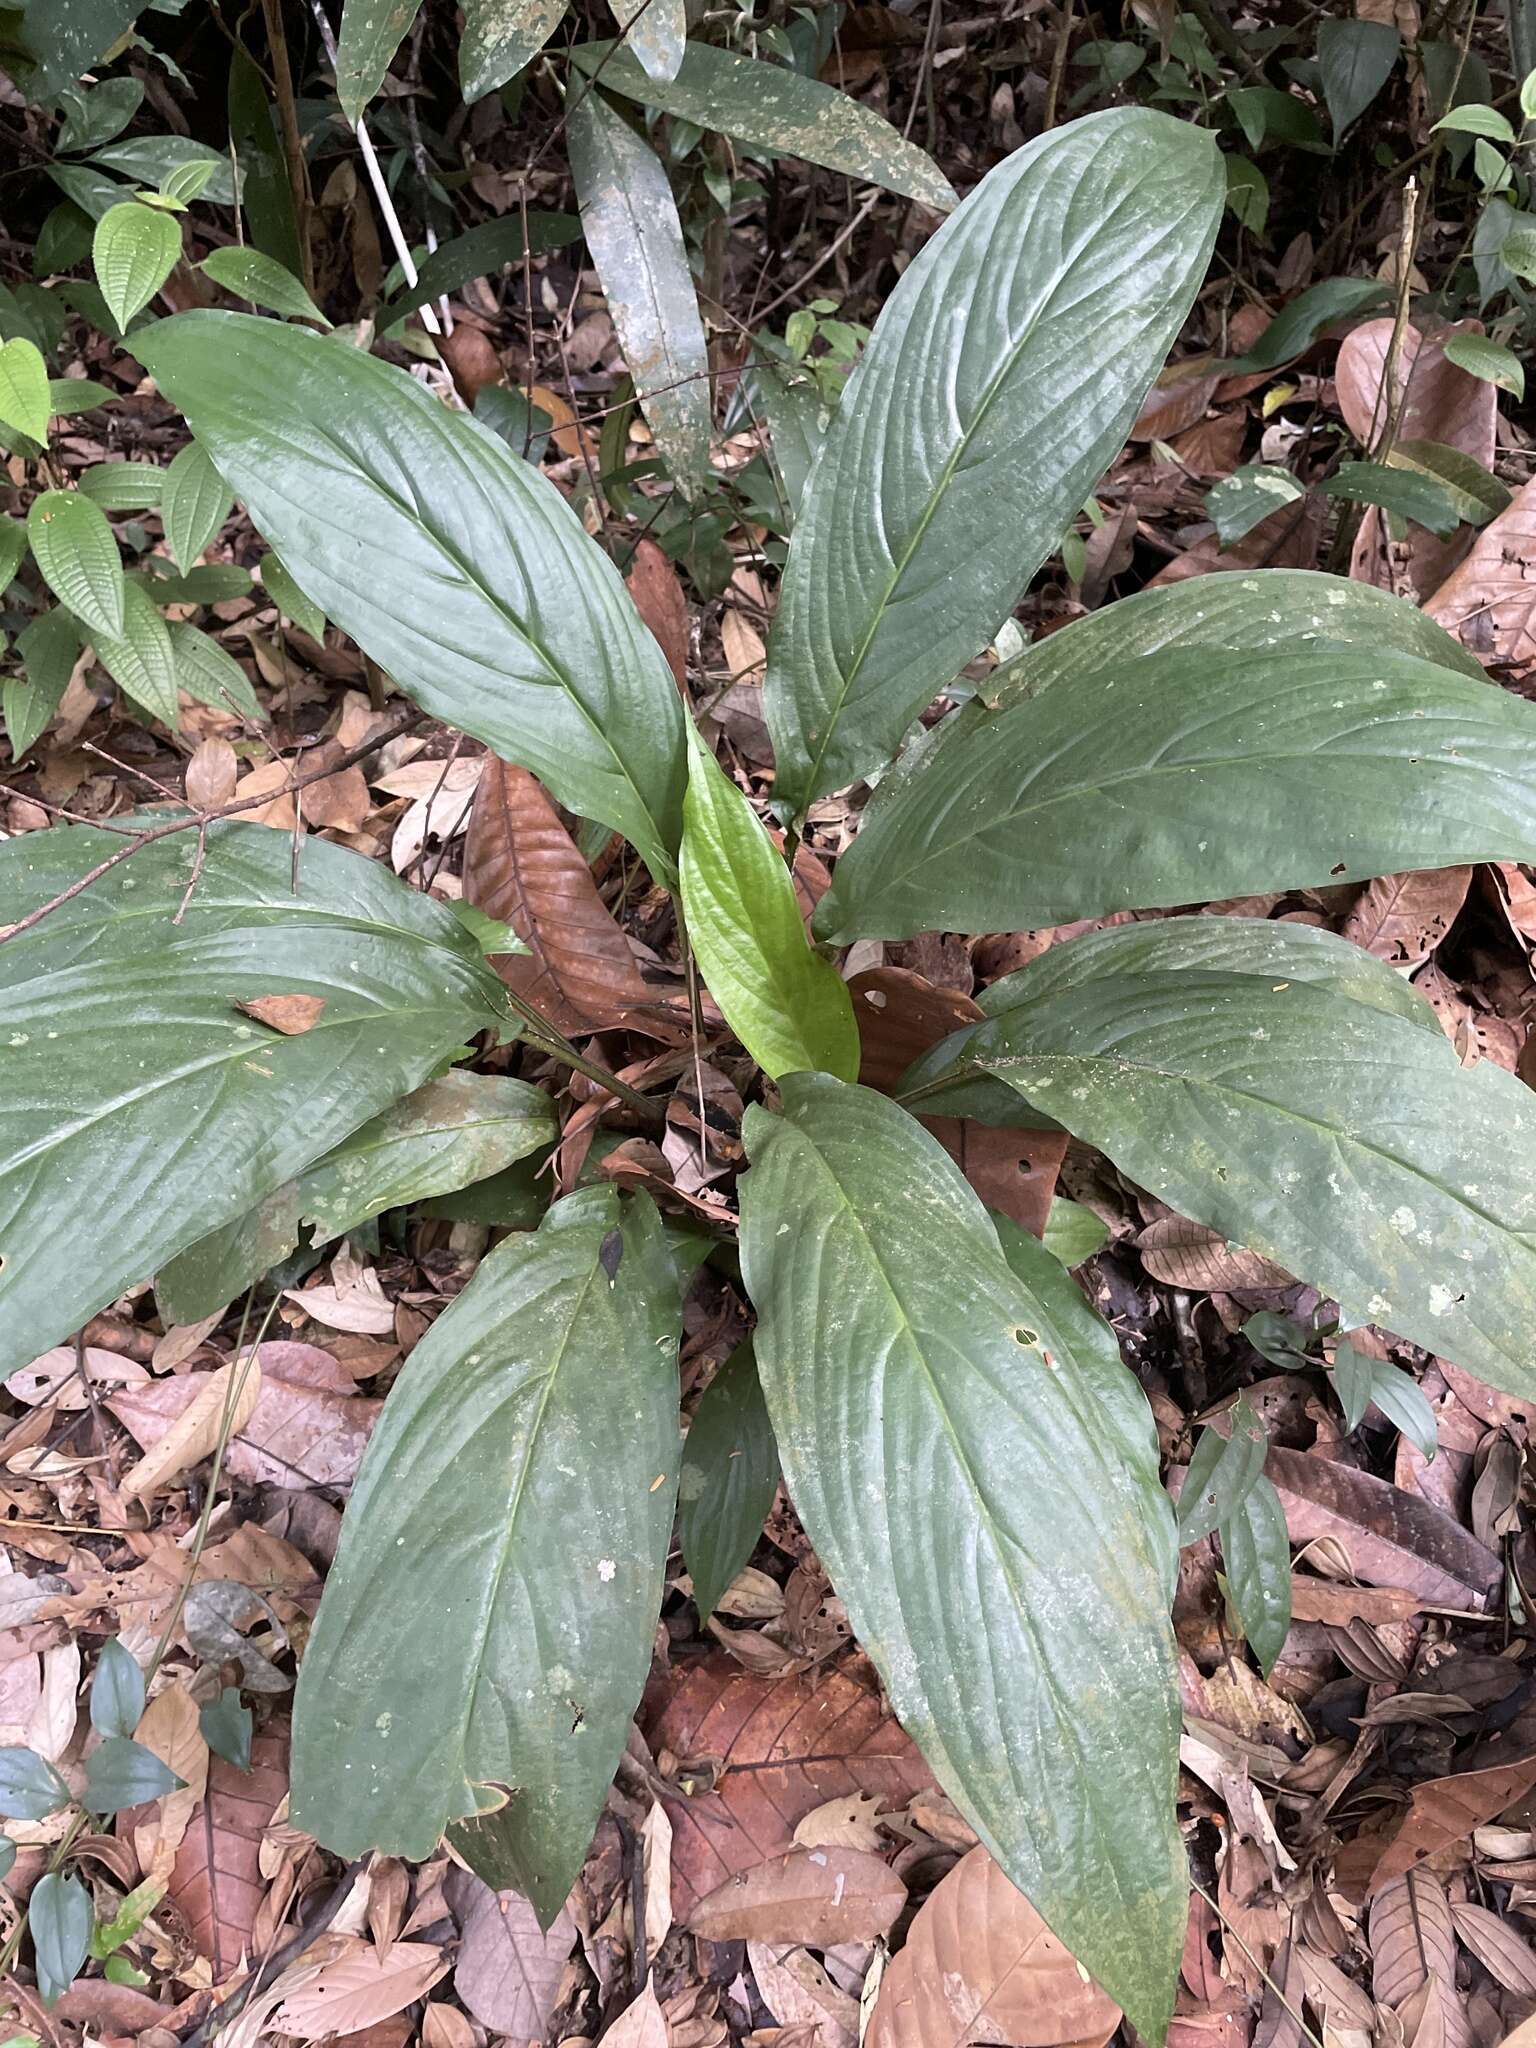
1528,96
1256,1551
1480,357
656,32
117,1690
1249,494
1475,120
48,648
30,1788
500,37
789,1007
68,395
120,1772
1362,1380
123,486
150,159
1172,777
60,1918
133,252
185,182
289,599
76,551
1356,60
1221,1474
535,1426
1407,493
895,1339
630,221
257,278
499,613
127,1064
24,402
1073,1233
226,1726
141,659
371,32
979,367
205,671
730,1475
194,504
776,109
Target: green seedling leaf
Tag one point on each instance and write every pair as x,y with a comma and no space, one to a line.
194,504
1241,500
1072,1233
48,649
117,1690
76,552
24,403
133,252
60,1919
1475,120
141,659
206,672
257,278
1480,357
1362,1380
124,486
290,600
68,395
226,1726
30,1788
730,1476
1265,114
186,182
1356,60
1256,1550
1283,1342
1221,1474
120,1772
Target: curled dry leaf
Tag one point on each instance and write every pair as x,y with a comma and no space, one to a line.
1444,1811
293,1015
657,590
1391,1538
981,1965
799,1994
508,1967
220,1405
1403,918
211,774
359,1988
216,1879
818,1896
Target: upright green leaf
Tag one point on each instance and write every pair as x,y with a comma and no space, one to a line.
513,1510
141,659
776,109
194,504
265,195
371,32
1362,1380
133,252
498,612
24,389
126,1065
1175,777
117,1690
1222,1473
730,1476
290,600
630,221
1356,60
1256,1551
990,375
250,275
60,1918
205,671
48,648
120,1772
789,1007
655,31
76,551
500,37
946,1451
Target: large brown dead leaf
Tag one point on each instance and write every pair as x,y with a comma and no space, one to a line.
1392,1538
359,1988
1013,1169
1444,1811
171,1728
216,1879
193,1414
981,1965
508,1968
522,866
1185,1254
1402,918
657,590
1412,1938
813,2011
816,1896
1439,402
777,1749
1178,398
1489,600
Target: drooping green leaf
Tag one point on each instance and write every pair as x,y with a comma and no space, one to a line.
126,1064
289,599
1247,193
218,1268
1407,493
60,1918
45,48
1356,60
120,1772
655,31
141,659
498,613
13,550
30,1788
630,221
944,1445
48,648
226,1726
789,1007
1298,325
1346,1144
94,115
500,37
1256,1551
124,486
730,1475
69,395
151,159
513,1509
1490,360
1475,493
257,278
1172,778
985,372
194,504
1249,494
76,551
1476,120
117,1690
1221,1474
775,109
1362,1379
1265,114
24,389
1073,1233
371,32
133,252
481,252
1285,1342
205,671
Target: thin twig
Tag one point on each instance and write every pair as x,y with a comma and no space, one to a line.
293,142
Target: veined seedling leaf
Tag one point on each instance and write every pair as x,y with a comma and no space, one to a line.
133,252
205,671
730,1475
141,659
1362,1379
250,275
194,504
500,37
1221,1474
1174,777
1347,1145
60,1917
945,1448
126,1063
513,1510
117,1690
48,648
775,109
371,32
498,614
990,370
1256,1550
76,551
789,1007
630,221
13,550
655,32
124,486
24,405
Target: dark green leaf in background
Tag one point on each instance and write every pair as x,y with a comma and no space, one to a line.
120,1772
60,1918
482,251
1221,1474
141,659
226,1726
500,37
117,1690
371,32
730,1476
48,648
1356,60
1256,1551
1362,1380
1298,325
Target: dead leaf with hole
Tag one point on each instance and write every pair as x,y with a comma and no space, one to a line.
1489,600
1444,1811
847,1823
293,1015
1403,918
60,1376
657,590
981,1965
818,1897
359,1988
220,1405
508,1968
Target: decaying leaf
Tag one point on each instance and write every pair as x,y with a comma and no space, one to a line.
818,1896
1444,1811
217,1879
800,1995
1403,918
220,1405
171,1728
657,590
1391,1538
360,1987
290,1014
508,1967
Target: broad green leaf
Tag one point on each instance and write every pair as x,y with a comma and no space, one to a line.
194,504
1347,1145
67,395
497,613
188,181
945,1447
48,648
127,1065
94,116
1356,60
1298,325
1475,493
124,486
45,48
451,1132
133,252
1362,1379
789,1007
797,419
257,278
76,551
655,31
226,1726
141,659
513,1510
211,1273
775,109
13,550
24,389
1407,493
371,32
1476,120
1249,494
630,221
1265,114
986,371
150,159
1480,357
1247,193
265,196
30,1788
117,1690
500,37
1073,1233
91,190
205,671
515,1199
484,251
290,600
1221,1474
60,1919
1174,778
730,1475
120,1772
1256,1551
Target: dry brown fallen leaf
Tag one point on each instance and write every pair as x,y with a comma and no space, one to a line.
170,1727
641,2024
1489,600
360,1987
508,1968
221,1404
1505,1954
817,1896
1403,918
1412,1938
800,1994
1321,1600
657,590
1391,1538
847,1823
216,1879
211,773
1444,1811
291,1014
981,1965
1185,1254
